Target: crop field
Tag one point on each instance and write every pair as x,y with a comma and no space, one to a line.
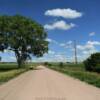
77,71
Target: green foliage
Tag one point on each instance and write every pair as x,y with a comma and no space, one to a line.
0,58
49,64
23,36
61,64
93,63
46,63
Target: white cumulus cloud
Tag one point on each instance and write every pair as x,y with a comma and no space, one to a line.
51,41
65,13
89,47
51,52
59,25
93,42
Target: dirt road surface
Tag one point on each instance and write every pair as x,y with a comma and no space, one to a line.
46,84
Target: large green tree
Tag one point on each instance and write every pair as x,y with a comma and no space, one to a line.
23,36
93,62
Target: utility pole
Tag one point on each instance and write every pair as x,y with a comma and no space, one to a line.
75,51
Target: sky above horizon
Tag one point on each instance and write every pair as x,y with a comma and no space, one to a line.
65,21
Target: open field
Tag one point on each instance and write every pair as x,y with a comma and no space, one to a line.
7,66
10,70
77,71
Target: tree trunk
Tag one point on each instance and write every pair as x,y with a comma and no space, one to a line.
19,63
19,60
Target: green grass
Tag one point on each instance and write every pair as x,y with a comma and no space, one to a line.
11,66
78,71
7,75
10,70
7,66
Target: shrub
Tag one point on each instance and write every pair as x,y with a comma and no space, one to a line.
93,63
31,68
61,64
46,63
97,68
49,64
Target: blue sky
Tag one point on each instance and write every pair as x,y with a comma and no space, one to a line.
65,21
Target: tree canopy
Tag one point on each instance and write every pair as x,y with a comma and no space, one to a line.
23,36
93,62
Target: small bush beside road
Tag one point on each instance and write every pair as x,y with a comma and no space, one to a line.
93,63
61,64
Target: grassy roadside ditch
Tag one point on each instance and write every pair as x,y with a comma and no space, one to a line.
79,73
